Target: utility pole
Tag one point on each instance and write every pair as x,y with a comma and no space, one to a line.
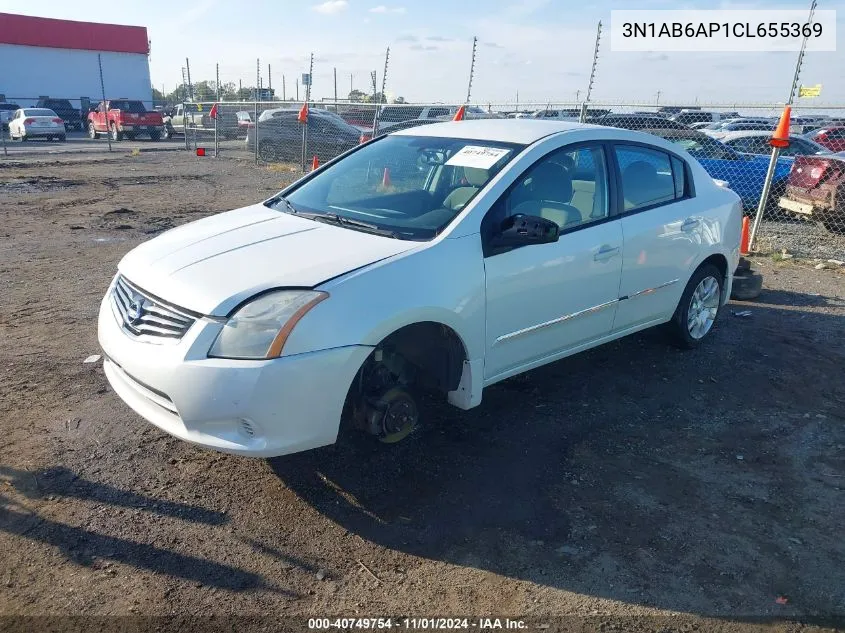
284,96
217,80
472,68
269,79
657,100
577,95
240,89
335,89
350,83
297,88
257,78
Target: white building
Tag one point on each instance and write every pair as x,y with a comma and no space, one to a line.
43,57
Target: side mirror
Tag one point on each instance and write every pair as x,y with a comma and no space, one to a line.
522,230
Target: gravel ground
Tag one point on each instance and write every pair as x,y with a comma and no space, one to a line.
702,489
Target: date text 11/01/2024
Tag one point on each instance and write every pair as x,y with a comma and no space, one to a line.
722,29
419,624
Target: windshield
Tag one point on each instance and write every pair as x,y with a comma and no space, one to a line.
410,186
38,112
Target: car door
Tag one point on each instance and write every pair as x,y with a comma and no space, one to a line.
545,300
663,229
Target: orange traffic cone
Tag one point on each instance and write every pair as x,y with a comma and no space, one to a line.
781,137
315,163
744,236
459,115
302,117
385,179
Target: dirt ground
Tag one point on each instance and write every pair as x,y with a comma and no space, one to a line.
704,488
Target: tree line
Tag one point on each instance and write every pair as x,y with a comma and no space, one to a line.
206,90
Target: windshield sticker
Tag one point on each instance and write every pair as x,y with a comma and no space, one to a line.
477,156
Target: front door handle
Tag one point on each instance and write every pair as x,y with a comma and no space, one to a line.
690,224
606,252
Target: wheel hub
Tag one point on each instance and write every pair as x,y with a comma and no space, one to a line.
704,305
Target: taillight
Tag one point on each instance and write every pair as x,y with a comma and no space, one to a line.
58,120
816,172
28,121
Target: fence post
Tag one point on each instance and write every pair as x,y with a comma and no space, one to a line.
105,105
256,130
216,137
185,125
764,196
3,136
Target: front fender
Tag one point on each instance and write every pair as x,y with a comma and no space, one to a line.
442,282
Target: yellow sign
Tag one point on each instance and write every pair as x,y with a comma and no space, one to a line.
810,91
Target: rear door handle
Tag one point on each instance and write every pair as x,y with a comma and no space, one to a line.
690,224
606,252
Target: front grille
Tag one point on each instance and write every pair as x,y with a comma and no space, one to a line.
144,316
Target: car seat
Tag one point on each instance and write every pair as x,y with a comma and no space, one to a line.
549,193
475,178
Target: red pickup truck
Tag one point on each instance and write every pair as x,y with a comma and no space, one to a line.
124,117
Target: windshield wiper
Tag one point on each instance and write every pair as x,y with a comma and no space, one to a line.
340,220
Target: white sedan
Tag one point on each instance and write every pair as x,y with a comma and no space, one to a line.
446,257
28,123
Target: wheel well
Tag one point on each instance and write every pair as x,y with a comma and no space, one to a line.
720,262
433,349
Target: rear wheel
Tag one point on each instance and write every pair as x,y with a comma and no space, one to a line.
168,131
130,135
116,135
155,135
62,138
698,308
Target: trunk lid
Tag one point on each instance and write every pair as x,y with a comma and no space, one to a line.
809,172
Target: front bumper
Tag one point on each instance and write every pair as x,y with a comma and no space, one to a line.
253,408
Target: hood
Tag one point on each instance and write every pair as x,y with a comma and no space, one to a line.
211,265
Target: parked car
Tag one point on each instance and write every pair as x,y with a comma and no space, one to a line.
744,173
833,138
638,122
30,123
244,122
816,189
443,258
196,117
568,114
280,138
124,117
720,130
389,128
6,112
687,117
758,143
72,116
398,113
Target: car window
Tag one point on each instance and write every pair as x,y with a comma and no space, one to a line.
404,184
568,187
704,147
436,112
647,177
39,112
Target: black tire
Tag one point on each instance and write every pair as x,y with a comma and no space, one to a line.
155,135
680,327
62,139
267,151
116,135
747,285
48,138
130,135
168,131
92,131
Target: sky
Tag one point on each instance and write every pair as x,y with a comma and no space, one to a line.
536,51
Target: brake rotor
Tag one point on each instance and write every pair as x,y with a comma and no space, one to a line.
399,415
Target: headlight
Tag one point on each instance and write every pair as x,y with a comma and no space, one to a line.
260,328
